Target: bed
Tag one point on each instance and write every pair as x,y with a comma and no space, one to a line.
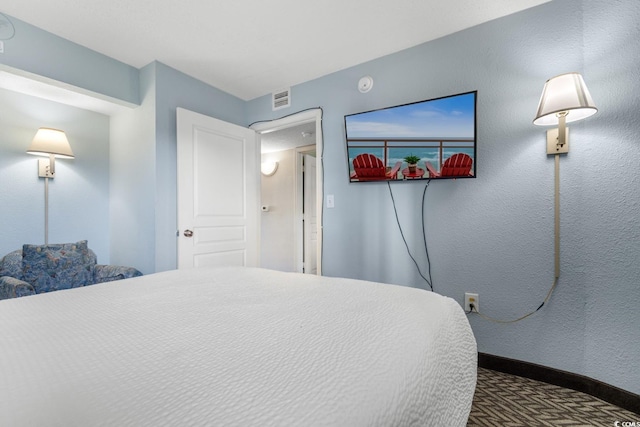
235,347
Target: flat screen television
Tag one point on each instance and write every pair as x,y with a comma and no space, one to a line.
437,135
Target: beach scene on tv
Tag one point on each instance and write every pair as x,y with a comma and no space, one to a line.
430,139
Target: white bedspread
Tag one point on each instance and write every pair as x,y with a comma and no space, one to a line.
235,347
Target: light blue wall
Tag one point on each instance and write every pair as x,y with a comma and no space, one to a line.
132,176
78,195
42,53
605,190
494,234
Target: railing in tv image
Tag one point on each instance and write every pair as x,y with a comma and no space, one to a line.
430,139
436,158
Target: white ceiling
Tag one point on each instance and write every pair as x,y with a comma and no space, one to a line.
288,138
251,48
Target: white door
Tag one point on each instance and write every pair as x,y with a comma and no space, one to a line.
218,192
310,216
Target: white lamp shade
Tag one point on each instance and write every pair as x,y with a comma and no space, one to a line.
51,141
564,93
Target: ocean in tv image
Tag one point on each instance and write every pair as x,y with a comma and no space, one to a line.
440,132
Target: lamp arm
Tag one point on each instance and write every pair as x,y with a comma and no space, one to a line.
562,128
52,164
557,215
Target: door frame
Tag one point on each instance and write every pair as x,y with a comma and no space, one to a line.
298,206
308,116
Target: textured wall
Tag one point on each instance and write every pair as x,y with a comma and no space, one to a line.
78,195
606,189
494,234
132,178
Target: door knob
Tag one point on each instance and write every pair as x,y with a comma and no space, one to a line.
188,233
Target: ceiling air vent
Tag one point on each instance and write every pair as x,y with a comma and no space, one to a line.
281,99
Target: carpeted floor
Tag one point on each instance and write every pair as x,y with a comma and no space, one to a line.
503,400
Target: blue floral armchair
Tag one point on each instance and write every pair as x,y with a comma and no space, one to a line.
38,269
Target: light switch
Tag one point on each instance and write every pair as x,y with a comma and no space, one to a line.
330,201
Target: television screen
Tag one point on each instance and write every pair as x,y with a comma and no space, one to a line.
432,139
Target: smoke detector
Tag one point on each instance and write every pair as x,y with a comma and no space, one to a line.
365,84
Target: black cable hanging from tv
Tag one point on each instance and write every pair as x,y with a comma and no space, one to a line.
429,281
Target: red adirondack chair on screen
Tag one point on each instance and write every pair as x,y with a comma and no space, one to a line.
367,167
457,165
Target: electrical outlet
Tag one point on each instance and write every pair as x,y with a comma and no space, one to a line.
470,298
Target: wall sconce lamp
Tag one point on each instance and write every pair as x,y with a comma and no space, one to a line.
51,143
268,168
565,98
